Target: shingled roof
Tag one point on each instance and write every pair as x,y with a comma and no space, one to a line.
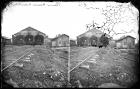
59,37
92,32
30,29
124,37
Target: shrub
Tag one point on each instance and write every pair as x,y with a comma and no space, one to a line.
104,40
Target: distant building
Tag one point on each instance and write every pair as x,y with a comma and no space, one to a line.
29,36
5,41
125,42
61,41
90,38
72,42
47,42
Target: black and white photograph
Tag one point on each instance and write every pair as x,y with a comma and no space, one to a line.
69,44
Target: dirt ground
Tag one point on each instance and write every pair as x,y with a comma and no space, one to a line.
90,67
93,67
40,67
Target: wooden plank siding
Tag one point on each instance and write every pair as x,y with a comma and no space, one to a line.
126,42
94,33
61,41
30,36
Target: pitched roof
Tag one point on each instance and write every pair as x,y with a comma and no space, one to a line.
94,32
29,29
59,37
124,37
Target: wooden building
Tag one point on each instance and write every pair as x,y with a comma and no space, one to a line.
90,38
125,42
47,42
29,36
61,41
5,41
72,42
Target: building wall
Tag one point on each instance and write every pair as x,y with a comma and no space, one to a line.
47,42
126,43
62,41
130,42
54,43
118,44
5,41
8,42
88,42
19,38
112,43
72,43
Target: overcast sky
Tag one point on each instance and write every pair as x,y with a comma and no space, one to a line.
69,18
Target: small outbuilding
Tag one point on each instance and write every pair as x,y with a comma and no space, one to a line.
126,42
5,41
61,41
72,42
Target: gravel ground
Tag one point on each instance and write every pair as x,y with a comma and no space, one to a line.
91,67
40,68
110,68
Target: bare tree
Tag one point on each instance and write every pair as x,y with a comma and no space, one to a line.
90,26
114,15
